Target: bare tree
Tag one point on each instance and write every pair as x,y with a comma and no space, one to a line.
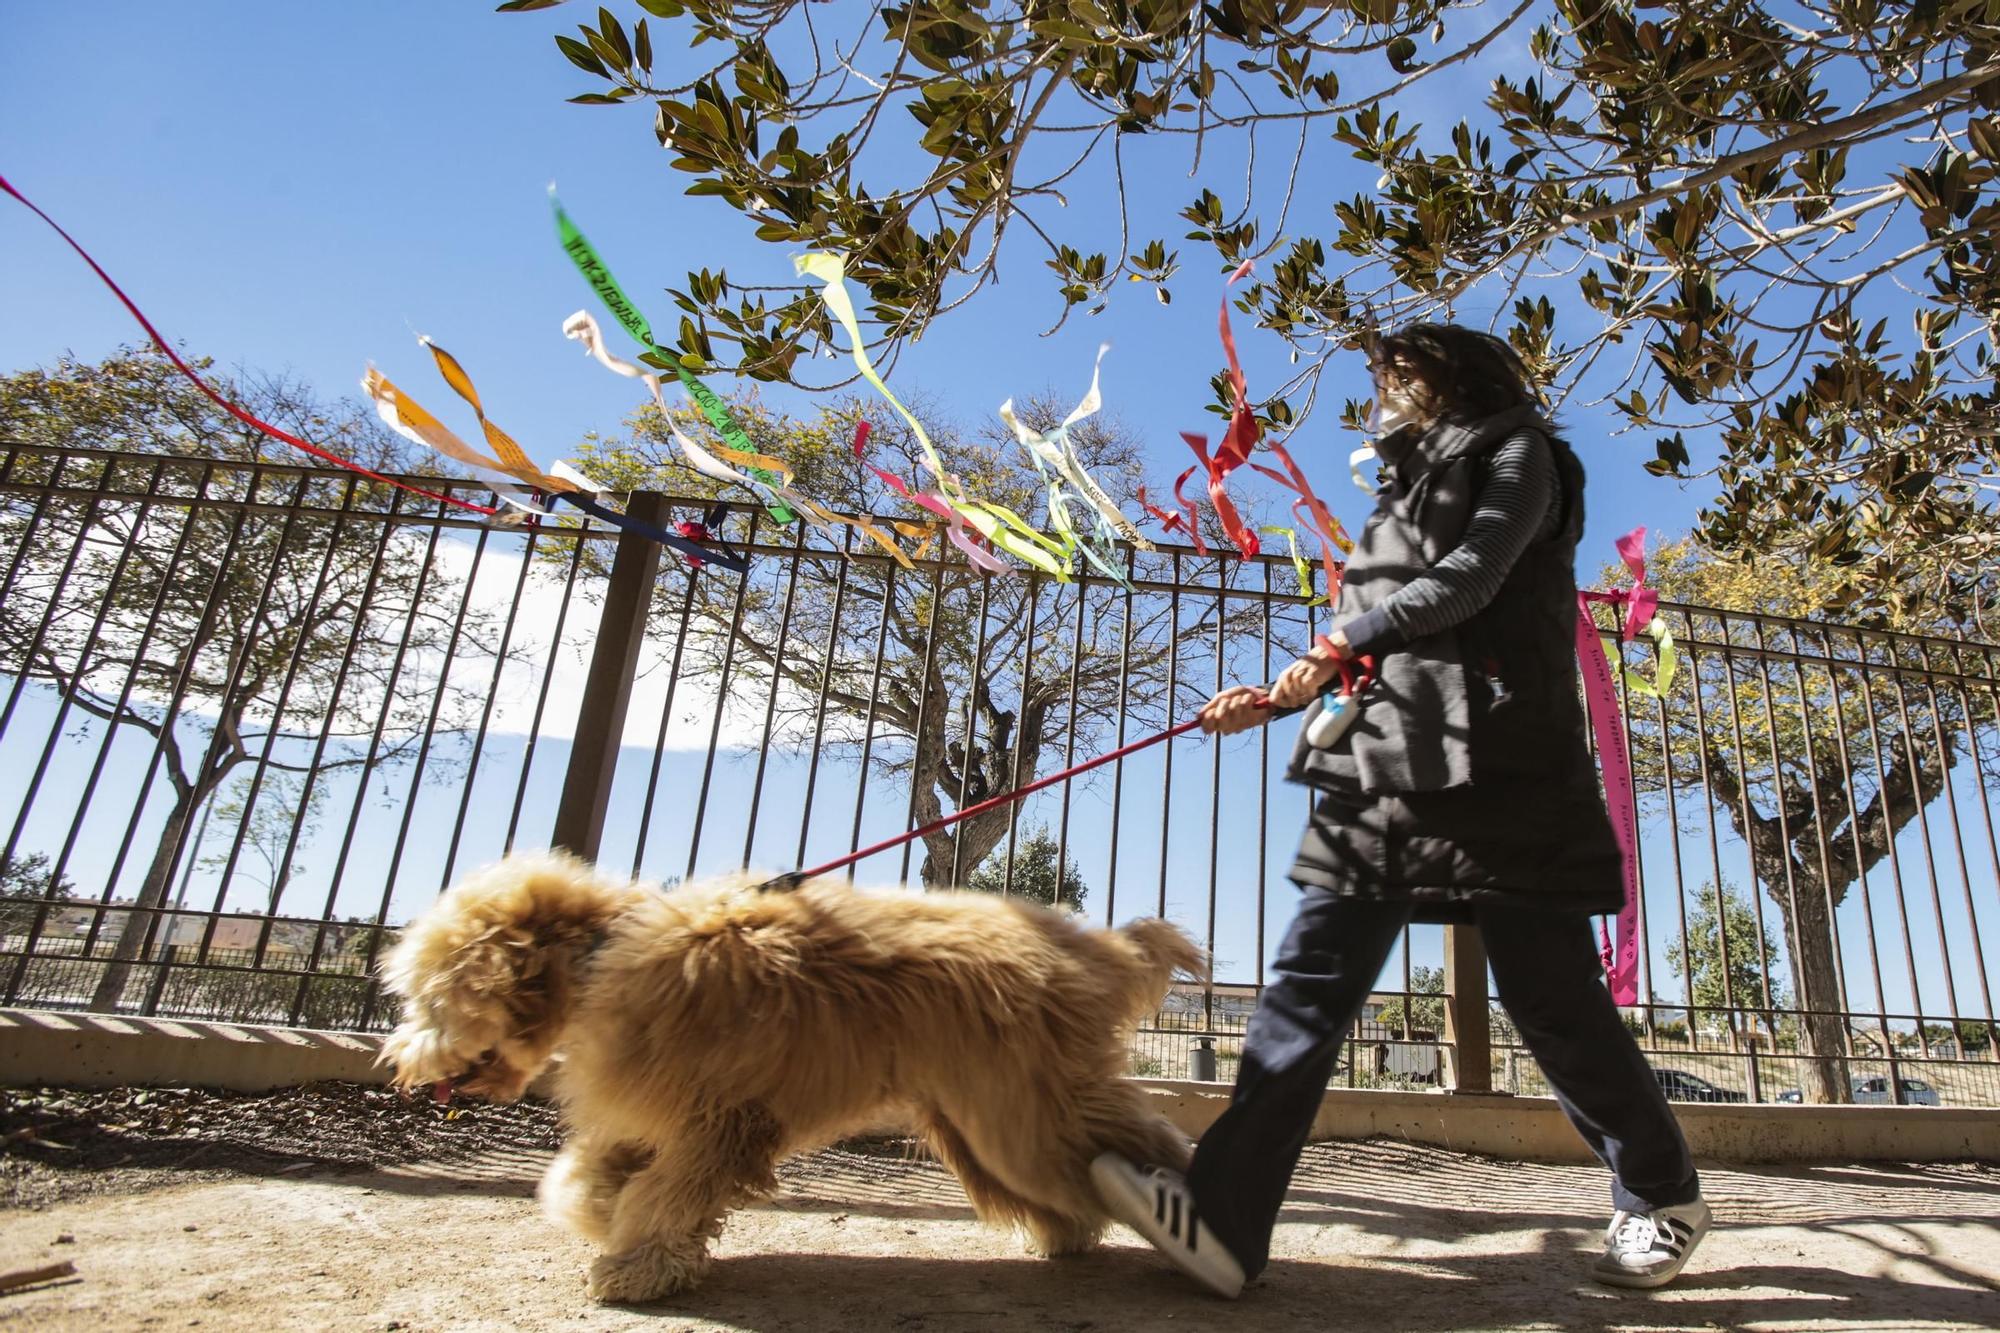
963,684
296,641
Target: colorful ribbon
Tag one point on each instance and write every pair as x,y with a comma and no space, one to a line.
770,484
1312,513
1232,522
404,416
694,553
1055,459
1642,605
1354,461
1302,567
998,524
512,459
738,448
923,533
255,423
1233,451
1188,521
1057,449
1621,960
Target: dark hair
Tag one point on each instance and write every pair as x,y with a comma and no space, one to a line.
1457,371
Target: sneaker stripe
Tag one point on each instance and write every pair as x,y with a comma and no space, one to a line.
1194,1229
1160,1203
1174,1226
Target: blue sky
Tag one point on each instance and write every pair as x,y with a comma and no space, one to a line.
301,187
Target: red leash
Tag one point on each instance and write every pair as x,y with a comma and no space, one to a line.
797,877
255,423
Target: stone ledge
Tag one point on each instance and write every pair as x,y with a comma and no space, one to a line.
104,1050
117,1050
1534,1129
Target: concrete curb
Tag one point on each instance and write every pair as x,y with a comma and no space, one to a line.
1534,1128
103,1050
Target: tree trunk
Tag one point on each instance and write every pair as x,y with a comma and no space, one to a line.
977,837
1816,977
152,894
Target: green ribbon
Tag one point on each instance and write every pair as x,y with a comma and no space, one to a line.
1663,675
598,274
1300,566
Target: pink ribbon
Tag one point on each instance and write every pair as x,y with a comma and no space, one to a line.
1621,959
1640,602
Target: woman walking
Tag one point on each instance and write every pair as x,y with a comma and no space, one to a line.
1463,791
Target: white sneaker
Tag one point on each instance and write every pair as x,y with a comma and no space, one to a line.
1649,1249
1156,1204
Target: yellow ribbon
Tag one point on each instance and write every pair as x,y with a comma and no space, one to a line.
1000,525
512,459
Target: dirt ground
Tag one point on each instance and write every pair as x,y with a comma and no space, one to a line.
197,1213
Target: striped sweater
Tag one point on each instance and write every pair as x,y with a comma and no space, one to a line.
1516,505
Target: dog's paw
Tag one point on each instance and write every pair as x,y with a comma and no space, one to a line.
1051,1238
645,1273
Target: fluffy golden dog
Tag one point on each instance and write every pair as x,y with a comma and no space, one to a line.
709,1032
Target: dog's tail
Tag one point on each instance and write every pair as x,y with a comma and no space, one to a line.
1159,949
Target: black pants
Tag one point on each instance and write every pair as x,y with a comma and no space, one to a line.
1547,969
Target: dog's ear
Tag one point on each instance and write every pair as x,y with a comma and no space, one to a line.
494,961
525,971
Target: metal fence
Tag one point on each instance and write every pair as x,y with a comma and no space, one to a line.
256,715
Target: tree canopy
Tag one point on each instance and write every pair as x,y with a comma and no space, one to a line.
1030,871
1770,227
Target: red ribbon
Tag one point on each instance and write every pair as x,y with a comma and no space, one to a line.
701,530
1233,451
240,414
1311,513
1218,494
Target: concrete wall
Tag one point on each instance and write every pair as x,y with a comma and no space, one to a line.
108,1051
96,1050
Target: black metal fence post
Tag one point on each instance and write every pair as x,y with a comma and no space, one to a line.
607,689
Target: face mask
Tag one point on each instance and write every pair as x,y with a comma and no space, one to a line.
1393,411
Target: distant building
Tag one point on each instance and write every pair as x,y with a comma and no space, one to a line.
1192,1005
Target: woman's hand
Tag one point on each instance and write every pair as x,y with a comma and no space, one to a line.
1238,708
1302,680
1299,683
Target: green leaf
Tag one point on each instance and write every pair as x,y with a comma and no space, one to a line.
609,29
523,6
642,47
1403,55
582,57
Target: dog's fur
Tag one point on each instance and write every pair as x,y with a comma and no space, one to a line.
709,1032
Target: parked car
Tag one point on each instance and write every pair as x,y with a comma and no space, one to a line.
1875,1092
1791,1097
1681,1086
